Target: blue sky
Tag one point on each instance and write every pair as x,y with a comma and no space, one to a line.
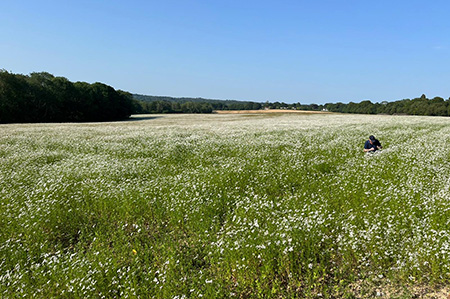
291,51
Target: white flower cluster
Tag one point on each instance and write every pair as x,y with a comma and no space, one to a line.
180,206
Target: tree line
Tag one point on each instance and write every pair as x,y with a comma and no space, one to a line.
422,105
190,107
42,97
294,106
172,107
163,104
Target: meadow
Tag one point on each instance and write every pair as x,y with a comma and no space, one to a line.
226,206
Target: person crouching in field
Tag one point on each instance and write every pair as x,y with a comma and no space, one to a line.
372,145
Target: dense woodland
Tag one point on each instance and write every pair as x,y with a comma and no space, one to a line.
160,104
436,106
42,97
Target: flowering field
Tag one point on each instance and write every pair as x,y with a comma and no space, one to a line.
219,206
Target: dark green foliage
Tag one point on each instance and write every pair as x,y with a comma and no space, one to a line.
42,97
418,106
173,107
294,106
160,104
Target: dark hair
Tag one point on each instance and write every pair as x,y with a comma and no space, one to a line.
371,137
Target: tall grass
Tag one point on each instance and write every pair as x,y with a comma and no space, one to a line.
219,206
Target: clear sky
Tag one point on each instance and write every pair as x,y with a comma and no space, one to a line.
291,51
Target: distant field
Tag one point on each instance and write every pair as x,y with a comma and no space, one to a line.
226,206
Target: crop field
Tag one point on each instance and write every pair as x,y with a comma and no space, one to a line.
226,206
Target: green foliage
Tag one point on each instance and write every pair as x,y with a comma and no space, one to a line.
173,107
159,104
418,106
42,97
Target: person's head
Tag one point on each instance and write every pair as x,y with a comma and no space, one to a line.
372,138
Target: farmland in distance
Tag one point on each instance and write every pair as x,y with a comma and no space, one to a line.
226,205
